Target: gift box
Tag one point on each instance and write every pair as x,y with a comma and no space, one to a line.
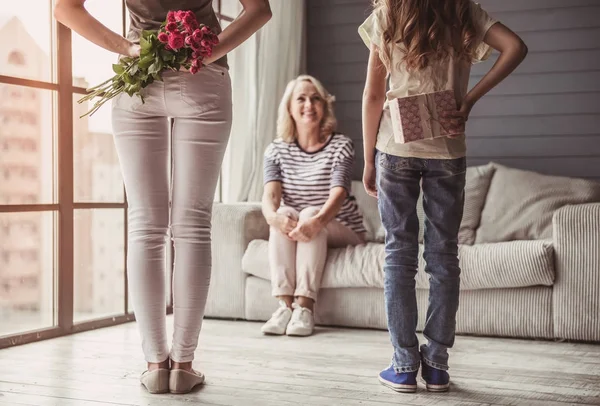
422,117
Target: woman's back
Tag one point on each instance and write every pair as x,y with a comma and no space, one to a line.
150,14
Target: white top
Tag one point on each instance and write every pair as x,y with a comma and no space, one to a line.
451,74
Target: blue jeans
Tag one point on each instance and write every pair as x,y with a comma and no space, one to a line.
399,182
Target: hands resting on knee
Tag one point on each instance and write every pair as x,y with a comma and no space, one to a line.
303,230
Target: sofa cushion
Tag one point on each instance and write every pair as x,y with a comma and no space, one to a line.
520,204
484,266
478,180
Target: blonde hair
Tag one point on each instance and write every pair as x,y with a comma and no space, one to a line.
286,126
427,29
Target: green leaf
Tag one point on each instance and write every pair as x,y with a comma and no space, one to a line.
145,44
118,68
165,55
153,68
126,60
128,79
146,61
146,33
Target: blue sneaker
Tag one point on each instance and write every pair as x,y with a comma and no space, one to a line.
436,380
405,382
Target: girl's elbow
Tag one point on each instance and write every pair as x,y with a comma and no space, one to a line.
519,48
523,50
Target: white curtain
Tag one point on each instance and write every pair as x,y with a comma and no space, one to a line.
260,70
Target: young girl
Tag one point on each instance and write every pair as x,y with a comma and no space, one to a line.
424,47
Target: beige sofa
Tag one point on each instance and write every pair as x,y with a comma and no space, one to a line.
529,252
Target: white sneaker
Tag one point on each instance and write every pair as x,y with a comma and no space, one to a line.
302,322
278,321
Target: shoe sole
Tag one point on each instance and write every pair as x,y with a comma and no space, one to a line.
272,333
436,388
298,334
401,388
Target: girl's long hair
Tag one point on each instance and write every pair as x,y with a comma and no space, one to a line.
428,30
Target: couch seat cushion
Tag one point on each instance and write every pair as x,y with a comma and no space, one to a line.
484,266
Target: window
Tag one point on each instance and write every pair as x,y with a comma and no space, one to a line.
34,161
27,271
95,272
28,26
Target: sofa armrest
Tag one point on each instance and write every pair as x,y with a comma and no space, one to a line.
233,227
576,296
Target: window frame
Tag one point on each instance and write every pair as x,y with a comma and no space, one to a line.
64,209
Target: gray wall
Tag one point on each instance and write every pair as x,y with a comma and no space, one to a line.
545,117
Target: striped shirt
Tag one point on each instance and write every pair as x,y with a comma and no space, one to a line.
307,177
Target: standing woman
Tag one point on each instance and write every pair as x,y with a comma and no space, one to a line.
200,106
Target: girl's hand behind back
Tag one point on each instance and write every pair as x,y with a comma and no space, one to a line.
460,116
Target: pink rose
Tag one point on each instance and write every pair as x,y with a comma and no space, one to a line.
172,27
171,17
205,29
179,15
189,30
192,25
189,18
189,40
196,46
163,37
194,70
205,43
198,35
196,63
196,55
176,41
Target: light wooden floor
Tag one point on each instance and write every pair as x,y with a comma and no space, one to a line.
333,367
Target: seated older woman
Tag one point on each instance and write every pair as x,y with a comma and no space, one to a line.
306,202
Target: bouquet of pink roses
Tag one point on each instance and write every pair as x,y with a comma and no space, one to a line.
180,42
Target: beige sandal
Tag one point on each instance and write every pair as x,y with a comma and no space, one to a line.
182,381
156,381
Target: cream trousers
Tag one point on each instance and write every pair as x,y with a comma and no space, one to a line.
297,267
200,106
